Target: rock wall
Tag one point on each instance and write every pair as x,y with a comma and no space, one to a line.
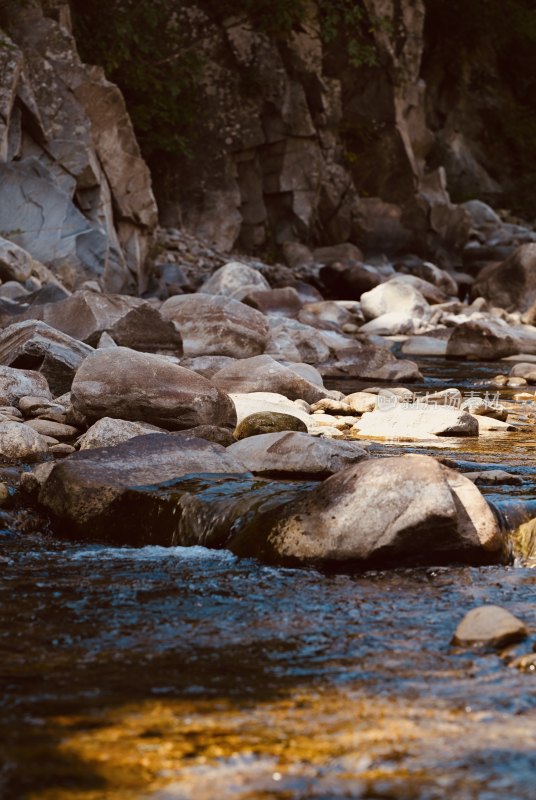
74,190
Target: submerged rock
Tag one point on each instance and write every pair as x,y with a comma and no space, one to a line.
489,625
389,511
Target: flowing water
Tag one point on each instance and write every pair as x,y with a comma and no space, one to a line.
188,674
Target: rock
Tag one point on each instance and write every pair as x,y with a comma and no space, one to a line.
361,402
430,292
390,324
17,383
207,366
527,371
279,302
388,511
142,387
37,346
512,283
490,626
481,340
217,325
330,406
233,278
417,422
18,442
294,453
328,315
5,496
493,477
393,296
268,422
56,430
424,346
348,281
212,433
119,493
346,251
267,402
371,362
15,263
433,274
446,397
481,407
290,339
107,432
33,406
61,450
487,424
264,374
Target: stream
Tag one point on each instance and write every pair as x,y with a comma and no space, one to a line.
189,674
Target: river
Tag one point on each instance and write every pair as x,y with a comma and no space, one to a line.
188,674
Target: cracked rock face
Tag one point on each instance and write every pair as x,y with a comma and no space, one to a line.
69,161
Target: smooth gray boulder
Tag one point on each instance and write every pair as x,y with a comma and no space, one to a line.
294,453
125,493
388,512
216,325
36,346
233,279
142,387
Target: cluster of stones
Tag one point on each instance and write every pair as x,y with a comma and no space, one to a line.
122,399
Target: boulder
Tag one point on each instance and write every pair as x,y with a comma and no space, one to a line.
15,263
215,325
490,626
327,315
418,421
107,432
512,283
524,370
264,374
390,324
394,296
369,361
294,453
207,366
36,346
17,383
482,340
212,433
284,302
382,512
18,442
424,346
432,274
267,402
268,422
142,387
121,493
233,278
289,337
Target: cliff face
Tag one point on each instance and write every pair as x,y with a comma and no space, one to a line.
74,190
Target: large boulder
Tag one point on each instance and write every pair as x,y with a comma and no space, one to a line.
252,403
293,453
394,296
216,325
117,493
512,283
386,511
143,387
264,374
17,383
482,340
36,346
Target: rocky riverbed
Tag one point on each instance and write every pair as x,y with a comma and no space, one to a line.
261,535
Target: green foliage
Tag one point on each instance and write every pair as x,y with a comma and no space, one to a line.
347,23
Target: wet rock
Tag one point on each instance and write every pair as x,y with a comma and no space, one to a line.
268,422
234,278
491,626
394,296
295,453
416,422
17,383
115,493
267,402
19,442
215,325
512,283
264,374
348,281
107,432
142,387
37,346
390,511
482,340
